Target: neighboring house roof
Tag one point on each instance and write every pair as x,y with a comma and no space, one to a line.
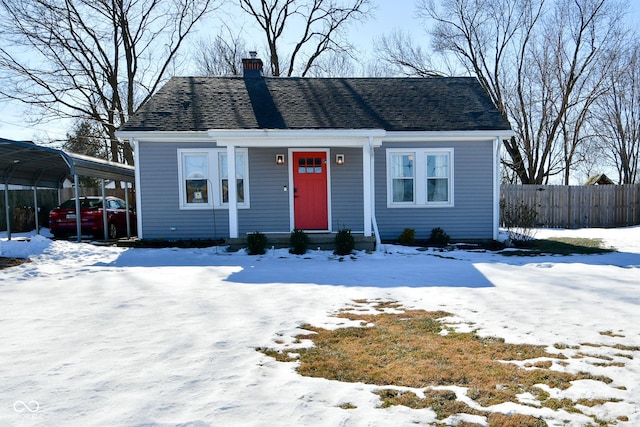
392,104
600,179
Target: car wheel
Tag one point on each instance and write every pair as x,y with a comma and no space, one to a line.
113,231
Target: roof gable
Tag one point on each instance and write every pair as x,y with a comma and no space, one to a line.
392,104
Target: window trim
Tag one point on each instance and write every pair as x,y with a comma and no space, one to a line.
420,177
214,179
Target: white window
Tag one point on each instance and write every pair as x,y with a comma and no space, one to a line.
224,176
204,178
402,177
420,177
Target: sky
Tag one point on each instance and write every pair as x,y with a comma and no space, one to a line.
389,15
96,335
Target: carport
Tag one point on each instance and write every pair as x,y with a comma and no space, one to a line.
28,164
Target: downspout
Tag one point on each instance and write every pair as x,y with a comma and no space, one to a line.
374,221
496,188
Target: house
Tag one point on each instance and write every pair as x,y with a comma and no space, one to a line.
374,155
600,179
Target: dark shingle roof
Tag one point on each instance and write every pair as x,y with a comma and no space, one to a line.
393,104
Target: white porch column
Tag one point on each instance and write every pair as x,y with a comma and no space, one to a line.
233,191
366,183
138,187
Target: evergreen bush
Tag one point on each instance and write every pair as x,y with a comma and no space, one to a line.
299,242
408,237
439,237
345,242
256,243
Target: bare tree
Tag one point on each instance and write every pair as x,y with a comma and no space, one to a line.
539,60
402,55
333,64
314,27
617,117
92,59
576,45
221,55
490,39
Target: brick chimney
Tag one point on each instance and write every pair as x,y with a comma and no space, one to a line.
252,67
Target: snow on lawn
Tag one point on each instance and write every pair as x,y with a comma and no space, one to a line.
98,335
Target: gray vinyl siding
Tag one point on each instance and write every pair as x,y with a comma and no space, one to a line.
471,217
158,165
347,203
269,202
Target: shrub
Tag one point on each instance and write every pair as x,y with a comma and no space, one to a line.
439,237
299,242
256,243
408,237
519,220
344,242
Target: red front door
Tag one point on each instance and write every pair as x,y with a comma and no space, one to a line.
310,190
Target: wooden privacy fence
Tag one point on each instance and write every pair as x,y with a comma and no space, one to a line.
571,206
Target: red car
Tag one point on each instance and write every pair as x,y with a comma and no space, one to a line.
62,220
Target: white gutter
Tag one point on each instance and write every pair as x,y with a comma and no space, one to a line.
496,187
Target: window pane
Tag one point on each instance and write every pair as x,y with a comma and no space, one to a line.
224,170
438,166
197,191
403,190
438,190
402,166
224,176
195,166
225,190
195,172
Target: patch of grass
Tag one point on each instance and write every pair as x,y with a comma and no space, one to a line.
611,334
407,349
561,246
515,420
347,405
6,262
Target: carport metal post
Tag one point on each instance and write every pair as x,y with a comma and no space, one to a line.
76,184
104,210
35,207
126,205
6,207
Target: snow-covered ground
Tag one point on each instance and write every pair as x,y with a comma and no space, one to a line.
98,335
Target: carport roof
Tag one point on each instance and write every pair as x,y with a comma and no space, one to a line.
25,163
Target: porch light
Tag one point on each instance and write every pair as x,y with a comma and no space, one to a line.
279,159
339,159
